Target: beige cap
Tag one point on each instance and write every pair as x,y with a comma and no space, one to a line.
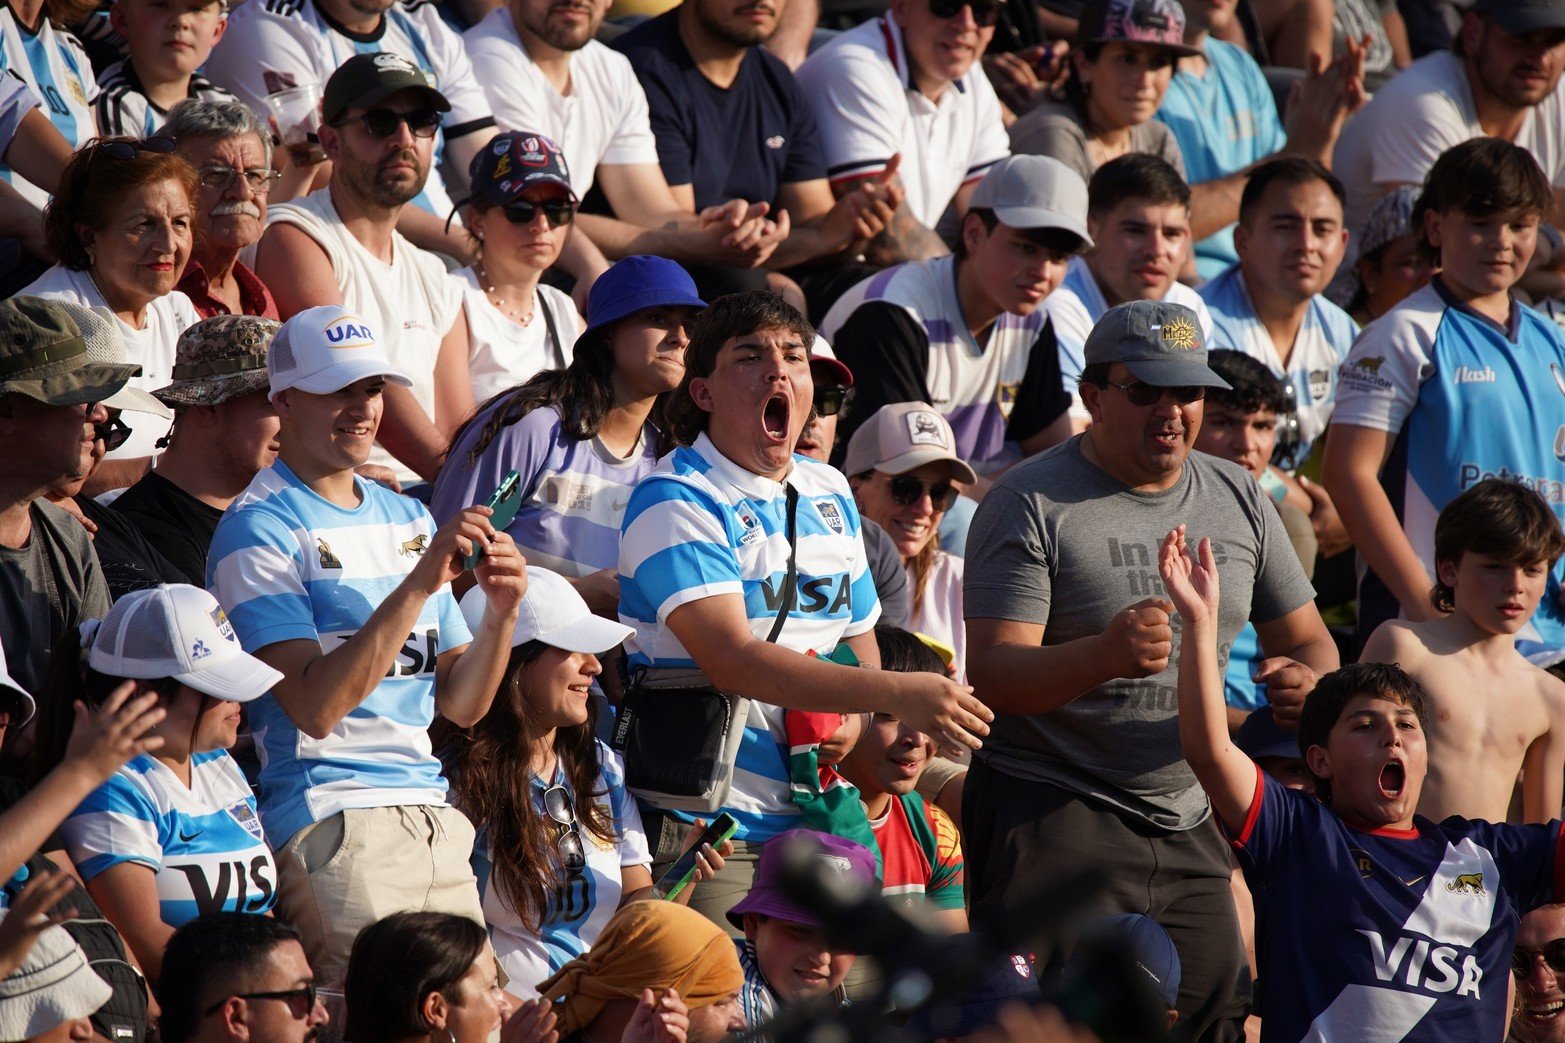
903,437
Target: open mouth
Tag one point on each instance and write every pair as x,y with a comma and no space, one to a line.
1545,1011
1393,777
775,417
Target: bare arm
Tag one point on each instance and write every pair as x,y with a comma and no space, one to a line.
1298,649
1225,773
38,151
904,237
128,895
1543,770
1354,457
791,40
459,157
427,230
468,677
295,268
20,219
715,630
1018,674
408,433
453,381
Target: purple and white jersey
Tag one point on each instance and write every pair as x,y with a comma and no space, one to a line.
1375,937
573,493
974,386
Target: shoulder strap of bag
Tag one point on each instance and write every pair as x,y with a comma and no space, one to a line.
554,334
791,583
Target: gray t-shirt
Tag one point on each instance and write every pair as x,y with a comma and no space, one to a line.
885,566
1054,128
1060,542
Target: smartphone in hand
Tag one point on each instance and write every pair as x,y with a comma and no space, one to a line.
505,501
679,874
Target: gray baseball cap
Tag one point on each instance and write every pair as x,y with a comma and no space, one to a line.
1523,16
1161,343
1036,192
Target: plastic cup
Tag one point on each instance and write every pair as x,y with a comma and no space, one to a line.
297,112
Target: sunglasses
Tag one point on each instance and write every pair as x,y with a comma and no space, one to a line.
573,856
829,400
1143,394
907,491
1553,954
557,212
985,12
114,433
288,996
383,123
129,148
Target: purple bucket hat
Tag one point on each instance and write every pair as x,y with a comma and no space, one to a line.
766,895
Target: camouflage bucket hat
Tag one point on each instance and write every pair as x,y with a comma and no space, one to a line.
218,359
44,356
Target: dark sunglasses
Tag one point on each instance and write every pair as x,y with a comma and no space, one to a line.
985,12
304,992
383,123
1143,394
1553,954
907,491
114,433
557,212
129,148
829,400
573,856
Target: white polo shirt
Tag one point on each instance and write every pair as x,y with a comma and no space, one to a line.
601,119
868,110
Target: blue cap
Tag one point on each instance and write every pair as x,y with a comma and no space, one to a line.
1005,980
1261,736
634,283
1144,941
515,161
1160,342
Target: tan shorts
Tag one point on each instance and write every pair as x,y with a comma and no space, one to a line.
360,865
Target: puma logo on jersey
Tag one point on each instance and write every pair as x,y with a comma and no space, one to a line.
1467,884
1372,364
415,547
328,559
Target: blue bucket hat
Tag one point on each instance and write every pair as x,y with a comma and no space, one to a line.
638,282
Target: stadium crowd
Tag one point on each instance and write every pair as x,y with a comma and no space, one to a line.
560,520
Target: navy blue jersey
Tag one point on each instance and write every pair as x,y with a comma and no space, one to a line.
1374,937
743,141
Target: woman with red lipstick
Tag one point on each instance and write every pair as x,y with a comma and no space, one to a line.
122,224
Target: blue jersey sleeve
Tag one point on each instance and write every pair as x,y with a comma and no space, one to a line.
675,549
117,823
1278,820
255,570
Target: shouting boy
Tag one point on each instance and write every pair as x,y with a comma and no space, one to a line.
1373,923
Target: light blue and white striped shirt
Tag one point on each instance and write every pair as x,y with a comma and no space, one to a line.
55,68
202,842
286,564
702,526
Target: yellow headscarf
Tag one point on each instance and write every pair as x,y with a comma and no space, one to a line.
646,945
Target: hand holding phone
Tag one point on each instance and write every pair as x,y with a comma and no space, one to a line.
504,502
683,870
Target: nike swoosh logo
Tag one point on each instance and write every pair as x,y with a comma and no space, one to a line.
188,838
1414,881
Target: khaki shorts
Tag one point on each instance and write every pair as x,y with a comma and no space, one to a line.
345,872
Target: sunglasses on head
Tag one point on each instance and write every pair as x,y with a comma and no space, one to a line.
1143,394
1553,954
985,12
114,433
573,856
383,123
557,212
130,148
907,491
829,400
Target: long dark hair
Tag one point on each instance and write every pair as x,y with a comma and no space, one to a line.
398,961
496,792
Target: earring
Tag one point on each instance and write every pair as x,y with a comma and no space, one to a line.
450,1036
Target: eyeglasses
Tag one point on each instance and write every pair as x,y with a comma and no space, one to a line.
258,178
1553,954
985,12
573,856
556,212
114,432
907,491
383,123
304,992
829,400
1142,394
128,148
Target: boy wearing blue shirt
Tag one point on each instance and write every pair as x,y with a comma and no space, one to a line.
1456,384
1373,923
344,587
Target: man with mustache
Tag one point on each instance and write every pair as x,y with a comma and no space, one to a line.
231,150
340,245
227,980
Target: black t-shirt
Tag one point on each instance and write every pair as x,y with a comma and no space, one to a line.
130,562
742,142
178,524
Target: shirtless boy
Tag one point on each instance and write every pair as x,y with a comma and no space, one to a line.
1492,713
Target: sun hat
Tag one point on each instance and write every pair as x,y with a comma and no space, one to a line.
218,359
176,631
1031,192
634,283
1158,341
106,346
767,896
54,984
554,613
324,349
43,355
903,437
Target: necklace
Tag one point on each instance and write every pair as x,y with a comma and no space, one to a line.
498,299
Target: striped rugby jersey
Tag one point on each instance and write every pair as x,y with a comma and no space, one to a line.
203,843
56,71
288,565
124,109
702,526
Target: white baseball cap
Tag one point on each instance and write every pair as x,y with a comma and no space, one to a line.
324,349
7,682
552,612
903,437
178,631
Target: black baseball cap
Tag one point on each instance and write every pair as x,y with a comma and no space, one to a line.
1523,16
503,169
367,79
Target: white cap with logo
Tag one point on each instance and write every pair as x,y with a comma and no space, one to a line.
903,437
554,613
178,631
324,349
